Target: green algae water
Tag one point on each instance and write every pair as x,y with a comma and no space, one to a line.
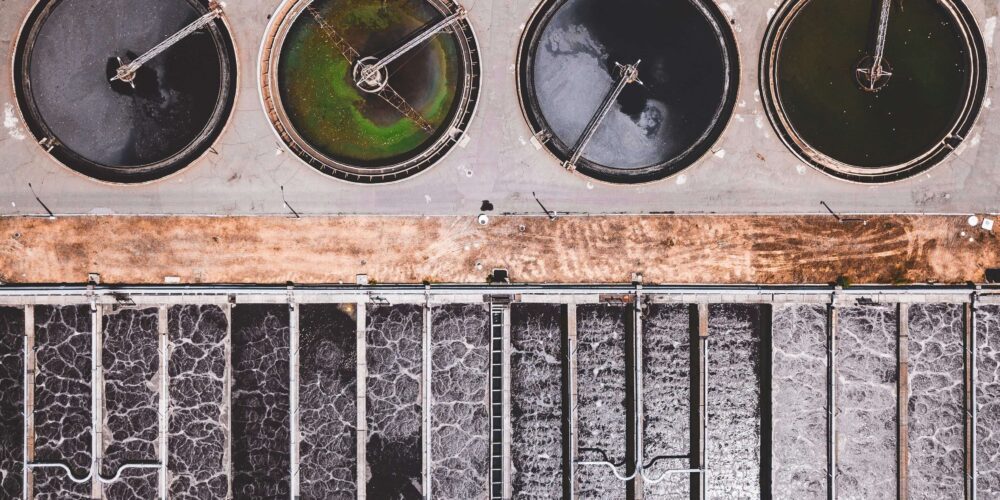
351,126
913,113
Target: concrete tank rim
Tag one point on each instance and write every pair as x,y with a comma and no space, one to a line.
938,154
715,134
225,32
274,35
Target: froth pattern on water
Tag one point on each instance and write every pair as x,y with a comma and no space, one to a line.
460,401
799,405
11,401
62,399
666,353
536,401
131,361
866,403
328,365
393,408
733,445
936,406
261,451
601,397
657,122
988,400
197,413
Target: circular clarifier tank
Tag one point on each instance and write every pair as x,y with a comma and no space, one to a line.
370,90
628,91
873,90
165,112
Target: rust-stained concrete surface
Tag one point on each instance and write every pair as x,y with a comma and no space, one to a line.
667,249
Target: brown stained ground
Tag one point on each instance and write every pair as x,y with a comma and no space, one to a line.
666,249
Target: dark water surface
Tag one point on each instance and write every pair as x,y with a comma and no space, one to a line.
536,364
394,407
176,92
460,361
260,406
11,401
866,402
683,70
62,399
988,401
799,405
666,353
198,420
937,401
601,410
913,112
131,360
733,448
328,374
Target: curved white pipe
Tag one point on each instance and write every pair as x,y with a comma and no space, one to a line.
100,477
642,472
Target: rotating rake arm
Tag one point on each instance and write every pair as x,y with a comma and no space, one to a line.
627,74
126,72
384,91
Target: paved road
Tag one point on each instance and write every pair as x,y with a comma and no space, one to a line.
750,172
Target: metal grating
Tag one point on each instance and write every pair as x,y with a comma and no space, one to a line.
496,401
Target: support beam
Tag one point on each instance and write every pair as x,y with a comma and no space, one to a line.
29,400
227,457
569,403
902,401
361,313
699,482
831,401
873,72
164,401
126,72
426,400
293,397
96,396
634,454
626,75
971,416
507,429
368,69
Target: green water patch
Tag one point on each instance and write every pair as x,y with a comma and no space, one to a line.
824,103
346,124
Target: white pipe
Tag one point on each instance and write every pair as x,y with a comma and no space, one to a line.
27,386
641,472
164,402
361,393
637,387
96,396
571,346
90,475
426,413
832,401
293,398
221,292
975,383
